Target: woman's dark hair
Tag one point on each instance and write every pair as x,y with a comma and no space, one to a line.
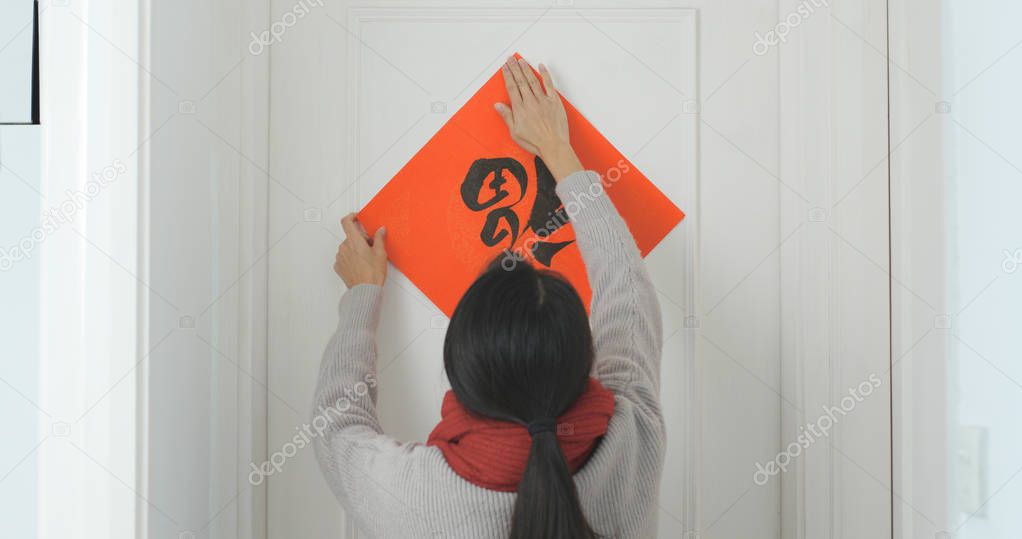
519,349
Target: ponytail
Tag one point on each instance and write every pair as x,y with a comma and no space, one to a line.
519,349
547,506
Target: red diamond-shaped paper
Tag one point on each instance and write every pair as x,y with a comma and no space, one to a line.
471,193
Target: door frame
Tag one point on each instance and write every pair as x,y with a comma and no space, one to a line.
240,316
244,321
923,443
820,495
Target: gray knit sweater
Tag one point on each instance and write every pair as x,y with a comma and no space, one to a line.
406,489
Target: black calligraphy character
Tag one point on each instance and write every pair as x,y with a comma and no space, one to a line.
472,187
545,218
547,215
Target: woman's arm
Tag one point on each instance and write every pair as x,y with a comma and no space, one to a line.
624,312
345,395
349,444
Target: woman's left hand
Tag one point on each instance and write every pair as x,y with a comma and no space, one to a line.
361,259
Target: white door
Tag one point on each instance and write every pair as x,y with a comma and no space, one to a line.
764,121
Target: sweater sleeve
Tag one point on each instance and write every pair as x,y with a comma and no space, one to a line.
360,463
346,391
624,311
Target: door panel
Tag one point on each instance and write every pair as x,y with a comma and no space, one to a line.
680,90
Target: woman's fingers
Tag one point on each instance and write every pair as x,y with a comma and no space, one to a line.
530,78
379,239
548,81
348,224
505,114
512,88
352,228
520,80
536,118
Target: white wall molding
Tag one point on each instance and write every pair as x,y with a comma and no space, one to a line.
253,303
144,249
239,319
833,129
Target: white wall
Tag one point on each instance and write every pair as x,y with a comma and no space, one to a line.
986,189
20,202
149,343
16,61
956,228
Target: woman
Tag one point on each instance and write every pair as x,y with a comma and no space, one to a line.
551,430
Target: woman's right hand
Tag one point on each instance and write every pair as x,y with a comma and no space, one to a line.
536,118
361,259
